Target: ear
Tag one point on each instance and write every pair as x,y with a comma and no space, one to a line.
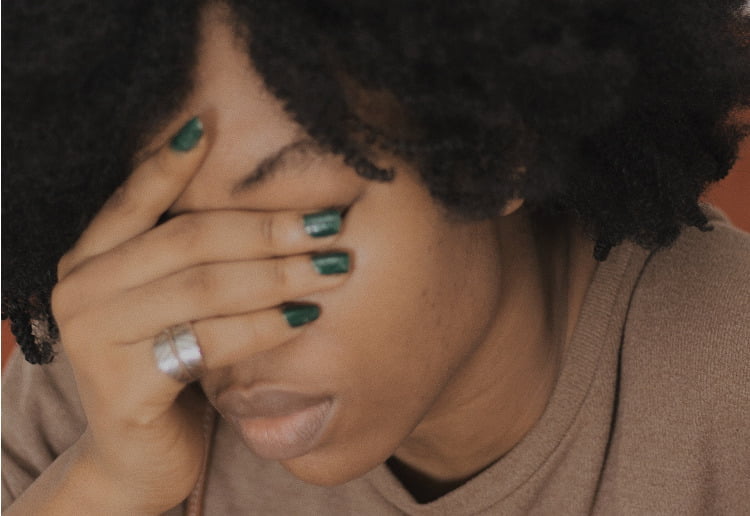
511,206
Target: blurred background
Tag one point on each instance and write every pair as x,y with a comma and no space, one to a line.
731,195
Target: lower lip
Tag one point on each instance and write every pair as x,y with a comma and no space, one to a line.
285,437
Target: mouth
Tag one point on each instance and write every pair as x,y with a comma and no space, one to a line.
276,424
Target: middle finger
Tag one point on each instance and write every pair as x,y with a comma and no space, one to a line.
213,290
199,238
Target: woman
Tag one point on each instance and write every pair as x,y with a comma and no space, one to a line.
395,247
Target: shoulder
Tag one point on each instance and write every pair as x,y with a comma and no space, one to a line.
696,294
683,388
686,343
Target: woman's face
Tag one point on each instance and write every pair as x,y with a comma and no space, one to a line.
419,301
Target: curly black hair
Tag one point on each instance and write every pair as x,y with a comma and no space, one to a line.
619,112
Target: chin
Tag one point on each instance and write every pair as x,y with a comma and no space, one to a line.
325,470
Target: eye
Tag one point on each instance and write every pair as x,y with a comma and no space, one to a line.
343,210
164,218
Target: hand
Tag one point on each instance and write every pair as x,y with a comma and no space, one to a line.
125,281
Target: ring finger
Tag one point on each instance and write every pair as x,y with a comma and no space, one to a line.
213,290
228,340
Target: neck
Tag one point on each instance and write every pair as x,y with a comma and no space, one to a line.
501,391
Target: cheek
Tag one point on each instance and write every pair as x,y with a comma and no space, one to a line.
419,299
396,334
421,306
422,288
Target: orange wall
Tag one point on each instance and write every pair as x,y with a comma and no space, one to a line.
9,343
732,195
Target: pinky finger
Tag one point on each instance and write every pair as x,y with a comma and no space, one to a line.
227,340
147,193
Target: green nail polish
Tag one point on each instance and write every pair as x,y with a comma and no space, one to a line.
323,223
331,263
297,315
188,136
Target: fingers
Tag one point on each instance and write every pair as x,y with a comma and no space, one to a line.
147,193
125,281
201,292
199,238
223,340
227,340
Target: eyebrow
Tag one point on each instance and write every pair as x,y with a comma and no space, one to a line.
272,163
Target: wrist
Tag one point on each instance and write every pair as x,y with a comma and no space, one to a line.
74,485
108,492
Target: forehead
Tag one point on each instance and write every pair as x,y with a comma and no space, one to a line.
230,91
245,123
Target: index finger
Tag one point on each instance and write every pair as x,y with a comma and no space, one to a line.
148,192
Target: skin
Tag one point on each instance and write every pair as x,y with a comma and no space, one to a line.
440,348
450,313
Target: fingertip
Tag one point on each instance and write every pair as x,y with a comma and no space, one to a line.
323,223
297,315
188,136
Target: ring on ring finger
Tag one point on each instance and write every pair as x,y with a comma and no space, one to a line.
178,353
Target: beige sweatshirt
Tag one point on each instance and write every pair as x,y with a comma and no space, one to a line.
650,414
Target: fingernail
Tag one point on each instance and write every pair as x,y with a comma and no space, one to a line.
297,315
331,263
323,223
188,136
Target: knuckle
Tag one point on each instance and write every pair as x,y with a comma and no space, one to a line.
123,254
280,273
119,196
189,223
195,234
72,332
122,200
188,229
72,321
64,265
253,334
270,228
160,164
60,300
137,419
200,283
263,333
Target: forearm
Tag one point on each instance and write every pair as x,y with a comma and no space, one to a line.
72,485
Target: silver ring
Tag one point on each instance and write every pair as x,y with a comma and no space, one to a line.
178,353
